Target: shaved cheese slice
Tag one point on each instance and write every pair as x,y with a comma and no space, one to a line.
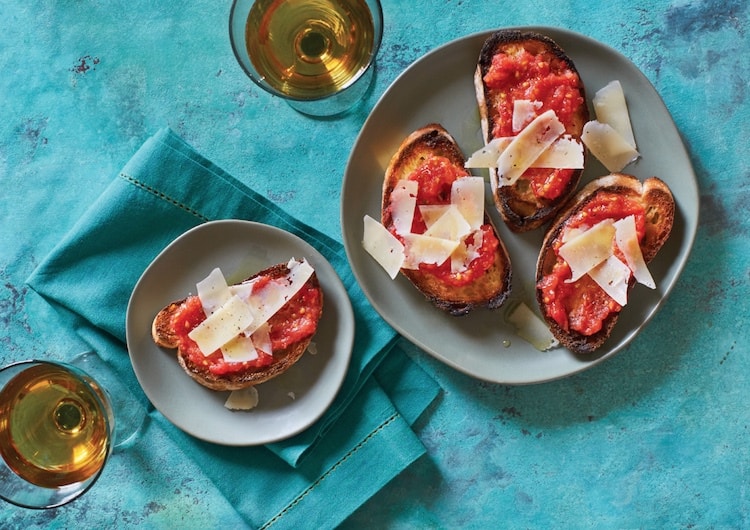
242,399
451,225
612,275
486,156
265,302
403,202
564,153
239,349
465,253
387,250
524,111
606,144
626,238
432,212
588,249
244,289
527,146
213,291
262,338
425,249
531,328
245,348
467,193
610,108
222,325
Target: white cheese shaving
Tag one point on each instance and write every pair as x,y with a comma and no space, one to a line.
610,108
403,202
626,238
239,349
464,254
524,112
387,250
222,325
432,212
563,153
606,144
530,327
451,225
588,249
213,291
243,399
467,193
266,302
527,146
425,249
612,275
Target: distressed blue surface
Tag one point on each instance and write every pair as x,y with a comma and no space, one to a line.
655,437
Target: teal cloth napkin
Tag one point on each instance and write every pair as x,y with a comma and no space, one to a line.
319,476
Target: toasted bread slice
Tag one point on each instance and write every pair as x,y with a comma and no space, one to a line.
541,72
165,335
488,288
650,199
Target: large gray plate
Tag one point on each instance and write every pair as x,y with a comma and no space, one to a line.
439,88
288,403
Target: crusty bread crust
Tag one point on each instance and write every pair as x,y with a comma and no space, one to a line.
519,207
163,334
492,289
659,206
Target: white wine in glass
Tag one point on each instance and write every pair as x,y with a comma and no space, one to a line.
56,433
316,54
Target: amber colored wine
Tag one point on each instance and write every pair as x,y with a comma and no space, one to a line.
54,430
310,49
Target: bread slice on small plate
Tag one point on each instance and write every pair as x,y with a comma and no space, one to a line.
172,324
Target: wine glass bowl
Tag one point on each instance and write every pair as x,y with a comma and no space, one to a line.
56,433
318,55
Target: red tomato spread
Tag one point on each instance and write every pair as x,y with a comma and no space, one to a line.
294,322
544,78
582,306
435,176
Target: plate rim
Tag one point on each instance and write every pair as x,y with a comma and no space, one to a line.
332,387
690,222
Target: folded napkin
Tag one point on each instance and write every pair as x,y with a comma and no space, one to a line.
316,478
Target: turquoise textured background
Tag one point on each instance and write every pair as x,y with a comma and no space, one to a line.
655,437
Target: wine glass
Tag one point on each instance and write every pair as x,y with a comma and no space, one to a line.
58,427
318,55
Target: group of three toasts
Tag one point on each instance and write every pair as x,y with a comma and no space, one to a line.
599,237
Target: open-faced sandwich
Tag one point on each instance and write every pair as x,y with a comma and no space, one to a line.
532,110
434,228
595,251
238,336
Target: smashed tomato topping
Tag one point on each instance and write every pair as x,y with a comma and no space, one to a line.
583,306
435,176
294,322
544,78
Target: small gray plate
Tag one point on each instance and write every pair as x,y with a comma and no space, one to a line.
288,403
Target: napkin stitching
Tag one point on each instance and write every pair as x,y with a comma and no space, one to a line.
333,468
162,195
